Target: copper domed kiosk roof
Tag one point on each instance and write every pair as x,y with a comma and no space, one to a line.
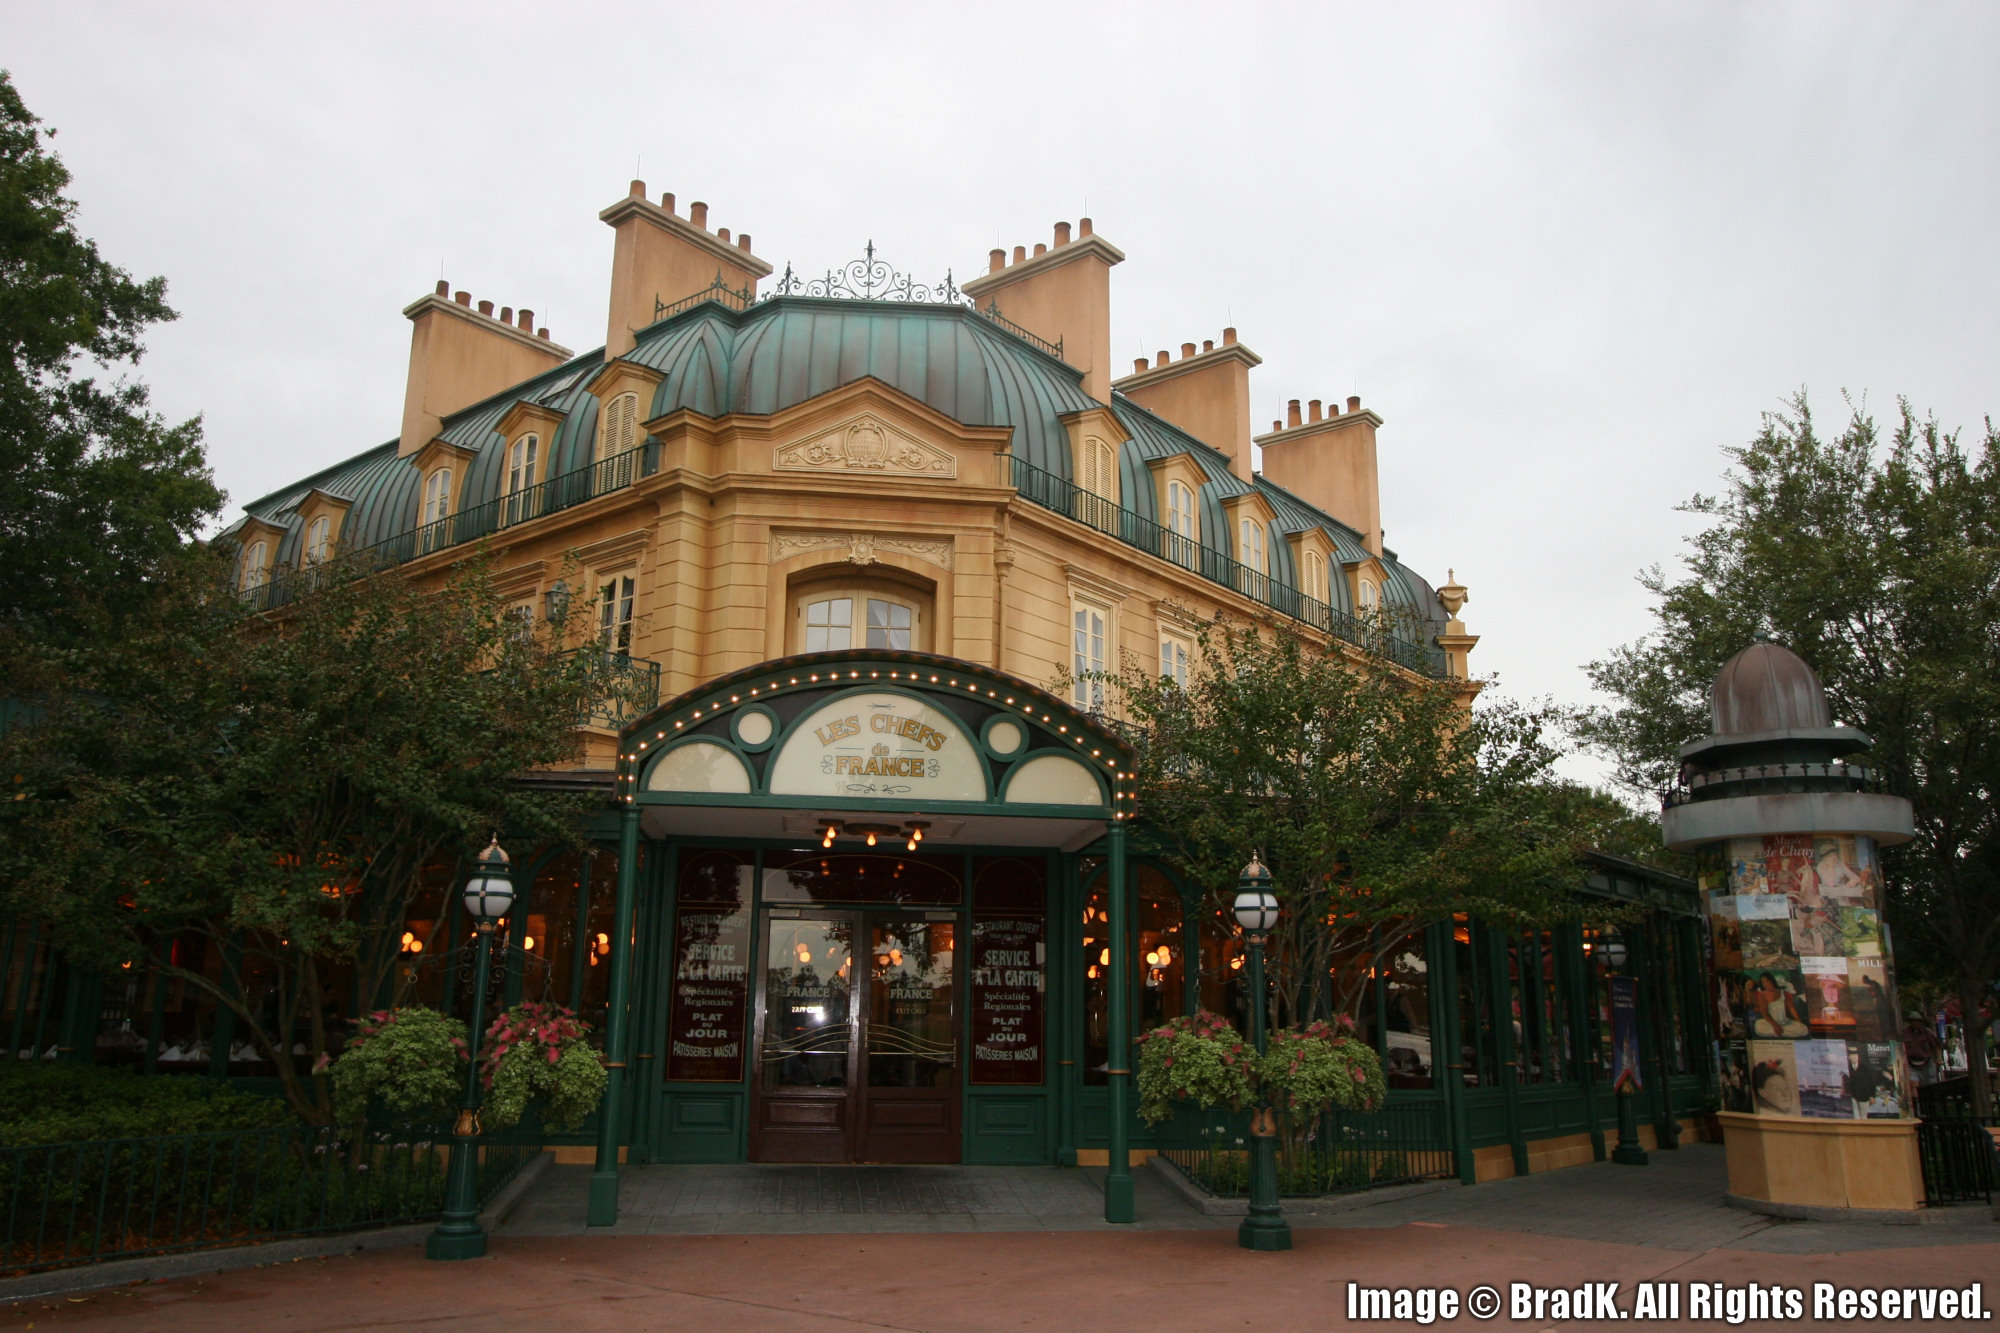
1767,687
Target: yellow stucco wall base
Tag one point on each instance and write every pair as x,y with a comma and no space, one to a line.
580,1154
1102,1156
1824,1163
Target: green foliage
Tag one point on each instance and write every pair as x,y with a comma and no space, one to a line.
1199,1059
96,491
284,786
1304,1071
540,1053
1378,801
411,1061
64,1103
1876,557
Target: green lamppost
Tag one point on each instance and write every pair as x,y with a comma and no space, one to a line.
488,895
1257,911
1624,1062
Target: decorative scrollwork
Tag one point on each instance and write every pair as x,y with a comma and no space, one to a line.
869,279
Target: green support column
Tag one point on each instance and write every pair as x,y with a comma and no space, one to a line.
655,983
1118,1205
1449,1072
1065,1020
1576,987
604,1179
1508,1049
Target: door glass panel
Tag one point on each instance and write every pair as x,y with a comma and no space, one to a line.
910,991
807,966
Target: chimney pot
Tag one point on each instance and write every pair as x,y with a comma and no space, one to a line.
996,260
463,298
667,201
1292,413
541,333
1138,364
506,314
743,242
443,288
1062,233
527,320
1277,425
698,214
1187,350
1040,249
1208,344
486,308
637,189
1020,253
1083,226
1354,402
1313,409
722,234
1229,337
1162,357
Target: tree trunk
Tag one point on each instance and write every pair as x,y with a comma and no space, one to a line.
1977,1028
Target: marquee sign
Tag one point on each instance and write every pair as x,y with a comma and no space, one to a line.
879,744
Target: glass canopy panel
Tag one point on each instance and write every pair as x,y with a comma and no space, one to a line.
699,766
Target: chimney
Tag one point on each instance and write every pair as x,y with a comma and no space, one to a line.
1062,294
661,257
1205,393
458,356
1330,462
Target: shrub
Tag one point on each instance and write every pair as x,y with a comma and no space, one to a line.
540,1053
411,1062
1303,1071
64,1103
1198,1058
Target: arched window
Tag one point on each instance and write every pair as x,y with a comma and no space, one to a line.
1097,481
1315,576
318,539
520,499
255,556
1251,546
437,495
1181,524
872,614
620,430
1368,598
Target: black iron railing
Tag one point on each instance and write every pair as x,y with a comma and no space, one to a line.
72,1203
1772,779
1065,497
626,687
481,520
1400,1144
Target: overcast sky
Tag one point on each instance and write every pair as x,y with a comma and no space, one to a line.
1569,252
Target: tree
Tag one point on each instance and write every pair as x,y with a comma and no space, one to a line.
1878,561
1379,803
274,785
96,491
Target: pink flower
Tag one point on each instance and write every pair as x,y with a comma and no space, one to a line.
554,1055
1359,1077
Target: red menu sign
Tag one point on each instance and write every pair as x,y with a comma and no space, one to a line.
711,1001
1006,984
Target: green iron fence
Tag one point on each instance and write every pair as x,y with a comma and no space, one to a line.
1372,635
72,1203
1400,1144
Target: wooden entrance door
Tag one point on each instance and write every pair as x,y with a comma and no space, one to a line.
849,1072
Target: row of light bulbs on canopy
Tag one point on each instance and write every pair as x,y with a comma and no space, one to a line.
911,831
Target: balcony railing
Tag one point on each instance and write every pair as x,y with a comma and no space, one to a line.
1046,489
468,525
1773,780
626,687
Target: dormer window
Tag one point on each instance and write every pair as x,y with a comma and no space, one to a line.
1315,577
255,560
620,431
1184,533
1097,477
522,460
437,496
1250,546
318,537
1368,598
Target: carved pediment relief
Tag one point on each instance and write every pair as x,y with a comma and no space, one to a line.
866,445
862,547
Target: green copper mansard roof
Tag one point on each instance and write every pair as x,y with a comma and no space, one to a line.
785,350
